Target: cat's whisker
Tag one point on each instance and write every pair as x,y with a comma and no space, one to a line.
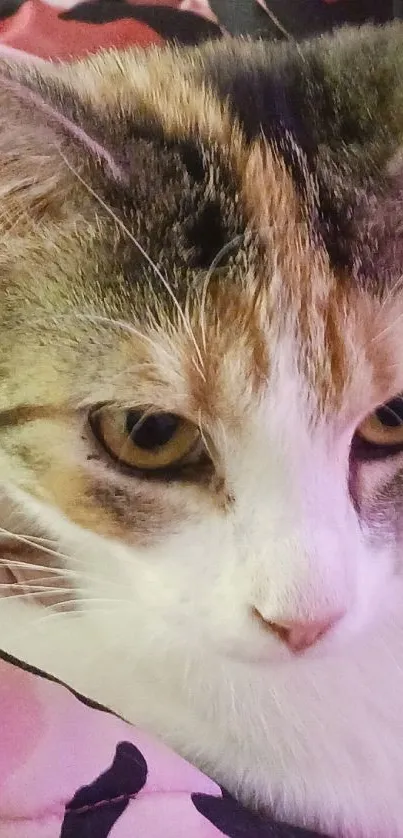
69,607
35,586
224,440
145,255
74,577
214,264
27,540
118,324
64,615
393,414
203,309
38,540
389,328
92,601
204,439
157,347
79,572
57,571
194,360
33,595
394,289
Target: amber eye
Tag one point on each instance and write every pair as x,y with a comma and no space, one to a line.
145,440
385,425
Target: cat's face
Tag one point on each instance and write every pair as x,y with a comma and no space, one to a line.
192,387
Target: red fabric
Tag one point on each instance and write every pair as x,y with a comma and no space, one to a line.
51,32
36,28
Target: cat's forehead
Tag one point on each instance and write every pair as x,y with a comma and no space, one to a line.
225,264
209,236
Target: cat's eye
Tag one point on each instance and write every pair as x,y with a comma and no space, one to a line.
145,440
384,427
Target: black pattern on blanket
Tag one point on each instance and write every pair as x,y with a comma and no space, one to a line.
71,769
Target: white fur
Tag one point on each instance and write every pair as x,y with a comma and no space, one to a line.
167,635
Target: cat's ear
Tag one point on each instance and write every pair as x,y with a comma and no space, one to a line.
43,152
31,171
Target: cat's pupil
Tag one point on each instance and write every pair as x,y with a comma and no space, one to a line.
391,414
153,432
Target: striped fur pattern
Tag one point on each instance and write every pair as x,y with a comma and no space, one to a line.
215,233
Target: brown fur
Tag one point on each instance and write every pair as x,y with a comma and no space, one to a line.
196,342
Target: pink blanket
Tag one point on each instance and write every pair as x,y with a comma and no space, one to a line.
70,769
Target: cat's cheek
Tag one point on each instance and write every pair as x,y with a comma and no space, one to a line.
134,512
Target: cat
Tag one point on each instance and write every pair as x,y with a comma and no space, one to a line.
201,420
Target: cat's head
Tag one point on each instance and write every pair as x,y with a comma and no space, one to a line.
201,336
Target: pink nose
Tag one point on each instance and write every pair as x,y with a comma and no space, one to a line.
299,636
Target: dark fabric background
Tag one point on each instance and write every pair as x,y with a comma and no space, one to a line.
301,17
